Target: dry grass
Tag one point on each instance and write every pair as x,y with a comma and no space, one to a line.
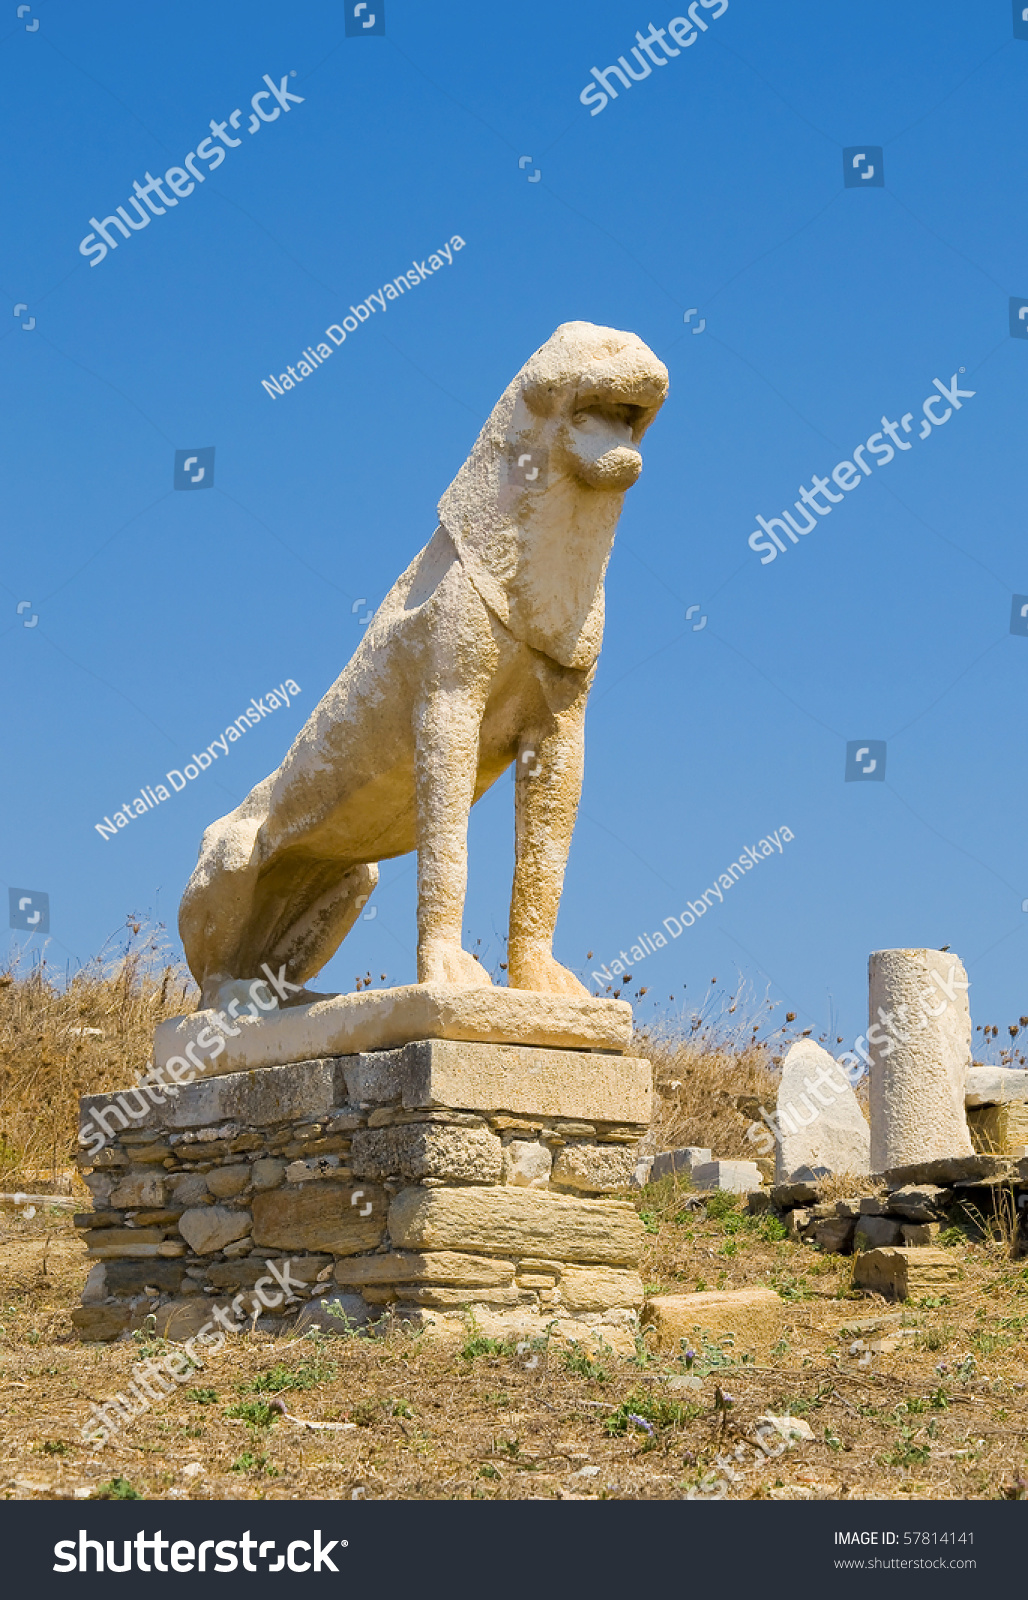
47,1060
940,1417
712,1072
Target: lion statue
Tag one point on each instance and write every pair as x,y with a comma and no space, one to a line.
481,655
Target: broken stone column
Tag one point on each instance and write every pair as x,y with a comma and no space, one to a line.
821,1127
920,1038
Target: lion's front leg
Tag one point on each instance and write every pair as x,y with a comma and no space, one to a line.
447,731
546,793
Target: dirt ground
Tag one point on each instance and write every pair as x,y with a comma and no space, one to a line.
937,1413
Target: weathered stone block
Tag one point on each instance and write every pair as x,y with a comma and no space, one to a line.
115,1237
923,1202
593,1168
385,1019
228,1181
100,1324
331,1217
138,1189
947,1170
433,1266
735,1177
189,1189
902,1272
168,1247
754,1316
318,1313
428,1150
921,1233
207,1229
315,1167
797,1221
243,1274
303,1091
95,1287
874,1232
267,1173
679,1162
94,1220
834,1234
508,1220
131,1277
994,1086
595,1289
445,1299
786,1195
527,1164
515,1079
822,1126
180,1320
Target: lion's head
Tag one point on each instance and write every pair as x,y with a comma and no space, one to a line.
534,508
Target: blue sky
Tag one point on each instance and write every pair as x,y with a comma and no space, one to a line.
715,183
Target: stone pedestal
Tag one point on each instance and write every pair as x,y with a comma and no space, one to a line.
920,1037
422,1180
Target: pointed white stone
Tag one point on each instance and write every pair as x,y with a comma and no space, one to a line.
822,1126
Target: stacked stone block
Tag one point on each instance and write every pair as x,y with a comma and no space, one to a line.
420,1181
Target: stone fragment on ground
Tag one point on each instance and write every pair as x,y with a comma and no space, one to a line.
901,1272
822,1127
754,1316
873,1232
679,1162
733,1177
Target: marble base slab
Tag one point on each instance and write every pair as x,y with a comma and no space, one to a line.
385,1019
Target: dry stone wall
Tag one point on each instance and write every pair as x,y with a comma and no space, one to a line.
347,1178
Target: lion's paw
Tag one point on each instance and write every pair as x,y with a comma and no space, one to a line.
451,965
537,969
